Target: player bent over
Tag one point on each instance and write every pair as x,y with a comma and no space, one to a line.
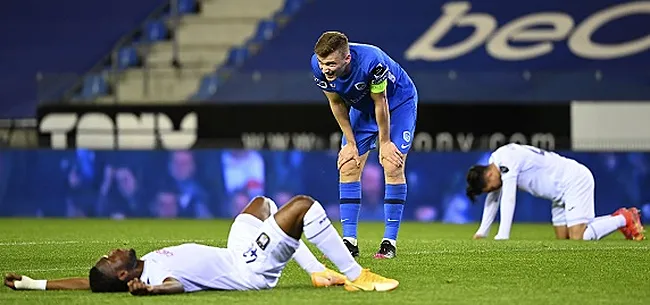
567,183
383,101
260,244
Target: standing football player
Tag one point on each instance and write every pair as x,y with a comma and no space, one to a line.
383,109
567,183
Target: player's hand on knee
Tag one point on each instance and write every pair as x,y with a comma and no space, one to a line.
10,278
137,287
389,152
349,152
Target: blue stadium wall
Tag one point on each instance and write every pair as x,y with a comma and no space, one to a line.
214,183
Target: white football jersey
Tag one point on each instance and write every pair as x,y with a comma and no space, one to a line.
198,267
541,173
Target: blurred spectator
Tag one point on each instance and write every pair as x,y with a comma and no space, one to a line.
85,173
372,192
191,198
284,172
127,200
166,204
243,173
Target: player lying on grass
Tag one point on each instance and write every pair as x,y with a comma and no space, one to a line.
260,244
567,183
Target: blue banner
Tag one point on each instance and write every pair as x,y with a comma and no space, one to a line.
219,183
477,35
505,50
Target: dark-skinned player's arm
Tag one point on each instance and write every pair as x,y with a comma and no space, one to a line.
341,114
169,286
22,282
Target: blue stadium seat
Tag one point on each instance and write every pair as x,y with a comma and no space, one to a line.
237,56
187,6
94,86
127,57
155,30
265,31
184,7
207,88
292,6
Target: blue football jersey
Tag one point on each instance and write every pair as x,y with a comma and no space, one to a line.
369,65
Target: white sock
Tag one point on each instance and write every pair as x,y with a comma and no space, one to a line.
319,230
603,226
303,255
307,260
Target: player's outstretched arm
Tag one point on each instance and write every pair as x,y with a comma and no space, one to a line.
508,200
341,114
489,214
22,282
169,286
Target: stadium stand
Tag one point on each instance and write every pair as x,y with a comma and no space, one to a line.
82,59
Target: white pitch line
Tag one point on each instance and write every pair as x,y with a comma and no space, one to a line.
68,242
22,271
605,248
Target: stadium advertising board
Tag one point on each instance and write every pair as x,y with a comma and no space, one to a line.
610,126
476,35
468,51
443,127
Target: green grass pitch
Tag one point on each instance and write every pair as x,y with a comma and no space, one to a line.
435,264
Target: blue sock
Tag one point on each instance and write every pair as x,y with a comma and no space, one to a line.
350,199
394,199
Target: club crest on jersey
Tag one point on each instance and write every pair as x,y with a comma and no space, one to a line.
360,86
320,83
406,135
503,169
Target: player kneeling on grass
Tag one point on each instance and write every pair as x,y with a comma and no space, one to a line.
567,183
260,244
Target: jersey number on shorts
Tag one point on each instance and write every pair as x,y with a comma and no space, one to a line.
251,254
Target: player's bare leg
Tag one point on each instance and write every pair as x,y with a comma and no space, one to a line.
626,220
350,200
304,214
561,232
262,208
394,199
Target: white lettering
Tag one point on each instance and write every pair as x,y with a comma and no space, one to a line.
253,140
444,141
523,30
304,141
581,42
58,125
465,141
526,29
278,141
453,15
423,142
140,130
99,131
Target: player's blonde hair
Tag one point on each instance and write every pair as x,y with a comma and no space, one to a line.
331,41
